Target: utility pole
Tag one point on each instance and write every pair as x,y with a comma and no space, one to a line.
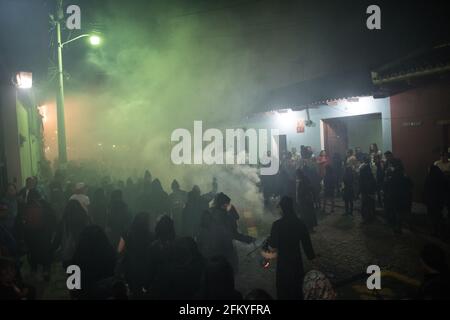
62,152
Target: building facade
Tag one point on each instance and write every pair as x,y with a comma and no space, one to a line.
21,137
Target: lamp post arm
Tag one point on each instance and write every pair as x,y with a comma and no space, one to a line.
76,38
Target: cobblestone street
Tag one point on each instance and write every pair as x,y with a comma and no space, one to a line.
346,248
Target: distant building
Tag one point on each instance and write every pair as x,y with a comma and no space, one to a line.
403,107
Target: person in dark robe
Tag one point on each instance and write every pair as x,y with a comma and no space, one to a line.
98,209
57,197
435,191
436,280
310,171
147,178
379,177
160,254
9,218
305,200
288,236
134,246
97,261
219,228
338,170
107,185
258,294
39,228
11,286
287,185
144,196
119,218
192,212
129,194
348,192
218,281
73,222
398,196
182,276
177,201
212,194
159,202
367,189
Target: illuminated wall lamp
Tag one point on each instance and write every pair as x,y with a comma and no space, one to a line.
24,80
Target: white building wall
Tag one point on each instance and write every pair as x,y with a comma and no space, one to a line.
286,123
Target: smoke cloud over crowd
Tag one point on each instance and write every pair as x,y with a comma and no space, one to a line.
153,76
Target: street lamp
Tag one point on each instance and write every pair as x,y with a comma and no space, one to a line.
95,40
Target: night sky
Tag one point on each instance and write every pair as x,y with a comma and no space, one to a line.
324,35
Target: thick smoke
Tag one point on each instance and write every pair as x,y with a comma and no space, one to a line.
160,74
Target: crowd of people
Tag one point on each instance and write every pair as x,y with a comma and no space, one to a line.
129,239
377,179
133,240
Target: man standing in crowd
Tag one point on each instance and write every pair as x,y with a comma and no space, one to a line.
219,229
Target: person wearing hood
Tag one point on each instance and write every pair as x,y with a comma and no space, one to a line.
436,281
39,228
119,217
218,229
159,202
177,201
212,194
192,212
288,236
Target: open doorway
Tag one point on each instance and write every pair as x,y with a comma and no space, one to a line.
341,134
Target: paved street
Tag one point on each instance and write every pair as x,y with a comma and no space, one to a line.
346,249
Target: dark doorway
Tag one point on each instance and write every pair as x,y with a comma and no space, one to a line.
335,136
341,134
282,145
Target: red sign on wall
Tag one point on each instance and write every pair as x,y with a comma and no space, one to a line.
300,126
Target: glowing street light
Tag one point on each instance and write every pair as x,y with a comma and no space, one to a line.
95,40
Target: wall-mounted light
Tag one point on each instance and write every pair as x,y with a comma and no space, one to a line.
24,80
